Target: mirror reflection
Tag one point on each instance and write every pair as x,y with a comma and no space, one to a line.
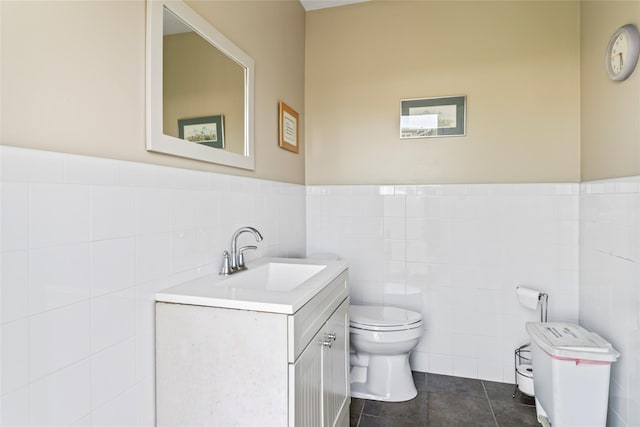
203,89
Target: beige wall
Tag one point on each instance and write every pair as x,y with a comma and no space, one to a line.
518,63
73,77
610,110
73,81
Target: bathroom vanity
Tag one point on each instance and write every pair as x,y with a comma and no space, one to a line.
268,346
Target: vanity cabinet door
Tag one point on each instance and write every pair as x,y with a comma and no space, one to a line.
306,382
336,368
320,377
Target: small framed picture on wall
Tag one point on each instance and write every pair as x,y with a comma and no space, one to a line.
433,117
288,127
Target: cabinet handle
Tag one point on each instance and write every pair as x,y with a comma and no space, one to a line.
331,336
326,343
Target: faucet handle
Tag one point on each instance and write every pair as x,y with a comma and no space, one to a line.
225,270
240,263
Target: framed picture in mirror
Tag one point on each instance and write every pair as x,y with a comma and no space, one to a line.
207,130
288,127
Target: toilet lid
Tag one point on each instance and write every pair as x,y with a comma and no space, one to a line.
383,318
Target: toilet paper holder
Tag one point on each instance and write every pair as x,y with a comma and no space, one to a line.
524,370
532,299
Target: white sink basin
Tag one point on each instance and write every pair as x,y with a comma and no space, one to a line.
275,285
273,276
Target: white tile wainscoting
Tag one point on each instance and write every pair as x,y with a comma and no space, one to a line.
86,242
455,253
610,284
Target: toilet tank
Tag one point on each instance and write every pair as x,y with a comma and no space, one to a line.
571,373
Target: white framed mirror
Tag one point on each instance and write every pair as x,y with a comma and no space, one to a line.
199,89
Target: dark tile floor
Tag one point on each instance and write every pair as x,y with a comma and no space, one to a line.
451,402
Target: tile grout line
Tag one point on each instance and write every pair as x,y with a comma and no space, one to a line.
360,414
490,405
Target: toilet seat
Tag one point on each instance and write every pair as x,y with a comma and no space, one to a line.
377,318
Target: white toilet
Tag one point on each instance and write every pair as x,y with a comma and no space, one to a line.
381,340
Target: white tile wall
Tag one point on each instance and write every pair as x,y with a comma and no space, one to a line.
455,253
609,284
85,244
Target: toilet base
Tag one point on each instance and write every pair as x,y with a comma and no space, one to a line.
388,379
358,390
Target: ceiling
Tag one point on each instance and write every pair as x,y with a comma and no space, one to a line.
323,4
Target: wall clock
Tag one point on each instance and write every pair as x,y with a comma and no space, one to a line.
622,52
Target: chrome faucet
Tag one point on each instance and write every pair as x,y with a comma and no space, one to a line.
235,261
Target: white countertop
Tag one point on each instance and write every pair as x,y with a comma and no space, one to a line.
219,291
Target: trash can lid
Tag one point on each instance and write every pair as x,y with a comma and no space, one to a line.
571,341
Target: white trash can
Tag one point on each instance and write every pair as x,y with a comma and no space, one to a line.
572,367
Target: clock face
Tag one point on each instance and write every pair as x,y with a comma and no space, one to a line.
619,53
622,52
